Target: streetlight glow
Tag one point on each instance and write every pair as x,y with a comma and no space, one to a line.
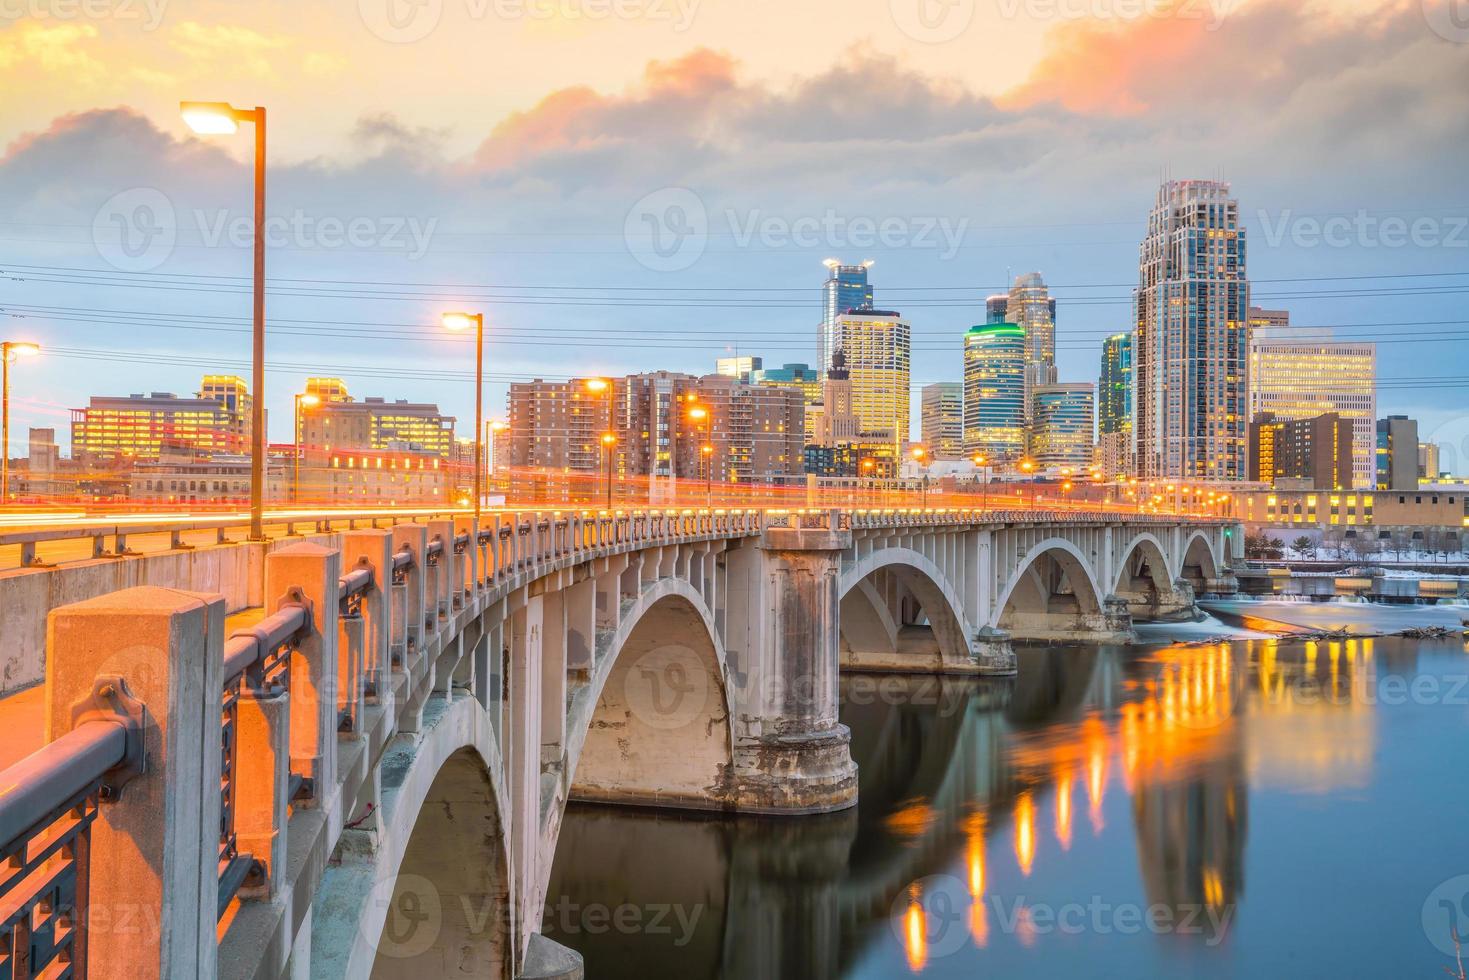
15,351
457,322
211,118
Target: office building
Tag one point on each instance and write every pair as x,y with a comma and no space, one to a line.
1429,468
994,392
846,289
1397,453
835,423
555,425
1302,374
1114,393
878,349
1190,348
797,377
139,426
738,367
942,411
1062,425
1302,454
1031,307
996,308
339,422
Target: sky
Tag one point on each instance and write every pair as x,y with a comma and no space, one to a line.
628,185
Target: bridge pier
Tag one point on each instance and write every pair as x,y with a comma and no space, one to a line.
791,755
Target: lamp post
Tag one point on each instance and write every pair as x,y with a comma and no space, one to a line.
308,399
706,451
603,388
10,350
491,428
919,455
457,322
221,118
982,461
609,440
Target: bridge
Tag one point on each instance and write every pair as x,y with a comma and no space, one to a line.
256,754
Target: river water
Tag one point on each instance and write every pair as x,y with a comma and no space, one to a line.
1213,808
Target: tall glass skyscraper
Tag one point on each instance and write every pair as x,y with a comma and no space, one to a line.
846,288
1114,396
1031,307
1191,350
994,391
878,349
1061,430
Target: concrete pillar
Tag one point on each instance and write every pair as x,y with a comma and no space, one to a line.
553,678
791,753
309,574
373,549
408,611
263,768
440,599
154,849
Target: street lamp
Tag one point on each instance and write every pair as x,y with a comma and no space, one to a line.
311,401
491,428
919,454
609,439
982,461
10,350
700,414
457,322
221,118
601,387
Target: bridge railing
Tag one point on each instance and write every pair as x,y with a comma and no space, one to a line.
344,628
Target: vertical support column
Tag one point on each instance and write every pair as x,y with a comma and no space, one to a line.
553,678
581,623
440,601
415,538
155,849
523,771
263,773
308,574
794,755
467,569
373,549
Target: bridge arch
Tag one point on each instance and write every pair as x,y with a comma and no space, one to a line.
1052,594
881,633
1145,577
1198,565
657,729
426,887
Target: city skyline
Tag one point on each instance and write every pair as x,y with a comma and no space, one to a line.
756,290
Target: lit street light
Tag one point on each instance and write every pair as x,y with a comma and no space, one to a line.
10,350
609,440
456,323
919,455
221,118
706,450
603,388
311,401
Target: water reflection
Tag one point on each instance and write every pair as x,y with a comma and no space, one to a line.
967,821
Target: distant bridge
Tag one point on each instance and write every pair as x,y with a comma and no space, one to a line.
404,711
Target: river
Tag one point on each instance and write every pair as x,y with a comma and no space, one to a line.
1213,808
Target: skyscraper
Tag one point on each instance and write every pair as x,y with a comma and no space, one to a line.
994,391
878,348
1301,374
846,289
1030,306
1190,353
942,409
1061,425
1114,394
996,307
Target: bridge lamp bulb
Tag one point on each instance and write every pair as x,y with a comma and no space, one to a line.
15,351
210,118
457,321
